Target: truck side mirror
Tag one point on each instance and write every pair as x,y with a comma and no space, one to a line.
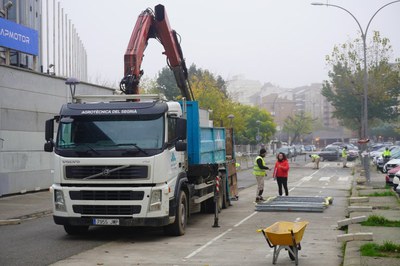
48,146
49,129
180,146
49,135
181,129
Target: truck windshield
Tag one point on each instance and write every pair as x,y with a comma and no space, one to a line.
124,135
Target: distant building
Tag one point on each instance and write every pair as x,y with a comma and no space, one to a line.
241,90
285,102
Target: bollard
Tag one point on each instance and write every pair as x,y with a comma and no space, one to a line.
216,197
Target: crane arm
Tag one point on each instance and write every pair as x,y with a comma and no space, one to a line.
154,25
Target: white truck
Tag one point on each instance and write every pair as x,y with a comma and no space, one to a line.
136,164
137,160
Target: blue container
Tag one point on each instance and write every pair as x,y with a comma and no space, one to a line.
205,145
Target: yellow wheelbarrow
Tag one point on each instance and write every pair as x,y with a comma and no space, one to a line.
285,235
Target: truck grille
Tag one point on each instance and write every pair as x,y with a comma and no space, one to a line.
106,210
106,172
106,195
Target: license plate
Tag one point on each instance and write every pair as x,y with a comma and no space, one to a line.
106,221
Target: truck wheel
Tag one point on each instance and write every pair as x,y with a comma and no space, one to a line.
76,230
178,228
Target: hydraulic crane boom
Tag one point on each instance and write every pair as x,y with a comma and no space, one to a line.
154,25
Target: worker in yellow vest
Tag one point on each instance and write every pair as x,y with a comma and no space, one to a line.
386,154
259,172
344,156
315,158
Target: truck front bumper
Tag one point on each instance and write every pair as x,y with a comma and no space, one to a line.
123,221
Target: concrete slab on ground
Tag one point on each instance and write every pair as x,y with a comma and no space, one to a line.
387,202
381,233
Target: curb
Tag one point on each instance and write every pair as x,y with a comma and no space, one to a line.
10,222
18,220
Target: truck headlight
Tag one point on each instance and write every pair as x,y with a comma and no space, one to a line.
59,201
155,200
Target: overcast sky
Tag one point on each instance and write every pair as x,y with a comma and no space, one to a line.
279,41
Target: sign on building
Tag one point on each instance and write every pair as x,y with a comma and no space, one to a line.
18,37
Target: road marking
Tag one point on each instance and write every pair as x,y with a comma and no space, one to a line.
306,178
218,237
245,219
324,178
343,178
207,244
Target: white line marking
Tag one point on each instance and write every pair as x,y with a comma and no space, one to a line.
343,178
306,178
245,219
218,237
207,244
324,178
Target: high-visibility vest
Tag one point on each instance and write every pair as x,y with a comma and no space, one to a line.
315,156
344,153
386,153
257,170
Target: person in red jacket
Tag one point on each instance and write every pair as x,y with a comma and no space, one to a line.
281,172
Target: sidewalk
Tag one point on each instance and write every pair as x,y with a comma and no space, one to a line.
388,207
15,209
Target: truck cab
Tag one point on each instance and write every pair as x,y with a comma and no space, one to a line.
116,159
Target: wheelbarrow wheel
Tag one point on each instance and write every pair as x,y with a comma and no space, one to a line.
291,256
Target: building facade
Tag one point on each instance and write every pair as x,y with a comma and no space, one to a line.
60,50
27,100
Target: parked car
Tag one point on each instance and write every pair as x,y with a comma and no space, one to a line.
391,174
391,164
352,155
286,150
374,155
396,181
338,143
333,152
330,153
300,149
310,148
351,146
380,161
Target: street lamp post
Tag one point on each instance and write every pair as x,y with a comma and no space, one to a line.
231,117
258,137
364,120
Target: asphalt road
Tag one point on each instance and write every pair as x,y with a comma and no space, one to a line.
234,242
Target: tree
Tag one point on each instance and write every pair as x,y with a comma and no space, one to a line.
166,84
248,116
298,125
345,88
211,93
